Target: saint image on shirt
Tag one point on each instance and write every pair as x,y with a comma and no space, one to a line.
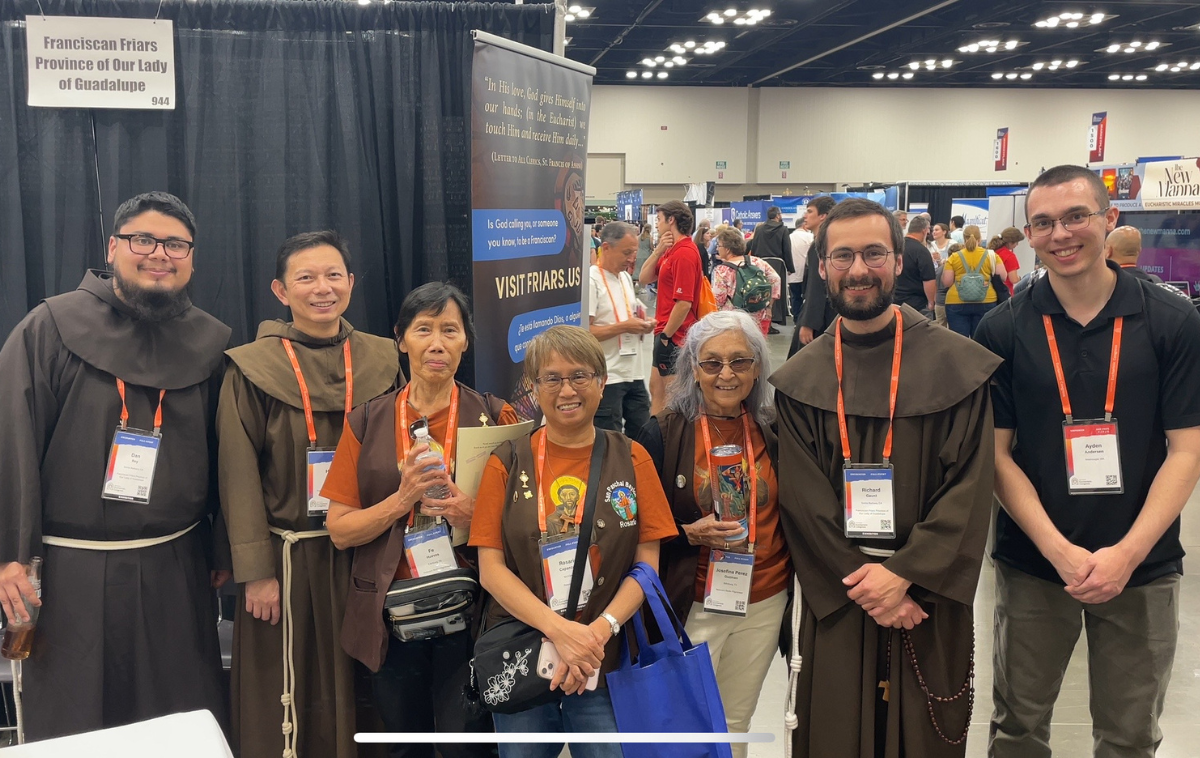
567,494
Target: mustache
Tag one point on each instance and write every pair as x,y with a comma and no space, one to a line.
861,281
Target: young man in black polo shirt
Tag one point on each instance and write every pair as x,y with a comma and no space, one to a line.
915,285
1088,539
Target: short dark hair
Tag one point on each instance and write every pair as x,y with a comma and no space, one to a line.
160,202
824,204
737,223
1052,177
774,212
858,207
958,221
918,224
675,209
307,241
432,297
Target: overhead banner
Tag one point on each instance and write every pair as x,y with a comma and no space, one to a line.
1000,149
629,206
974,211
529,119
1096,137
88,62
1171,185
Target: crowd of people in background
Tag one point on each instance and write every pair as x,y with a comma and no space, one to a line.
841,500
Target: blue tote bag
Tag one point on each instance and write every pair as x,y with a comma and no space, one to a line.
671,687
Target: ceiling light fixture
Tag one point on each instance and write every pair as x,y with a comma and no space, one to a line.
877,75
1071,20
914,65
647,74
568,17
906,76
662,74
1038,66
659,58
1127,77
997,75
1072,63
689,44
1026,76
947,63
1010,76
748,18
630,74
649,62
1140,77
893,75
669,64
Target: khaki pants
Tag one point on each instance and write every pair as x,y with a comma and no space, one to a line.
1131,646
940,312
741,649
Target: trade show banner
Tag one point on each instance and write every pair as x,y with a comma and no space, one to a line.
1124,184
975,211
1171,185
629,206
751,212
1000,149
1097,136
529,119
1170,247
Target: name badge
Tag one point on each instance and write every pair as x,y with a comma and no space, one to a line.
129,475
317,461
727,586
870,502
629,344
1093,458
558,564
429,551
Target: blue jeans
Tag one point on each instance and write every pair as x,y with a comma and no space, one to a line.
965,318
589,712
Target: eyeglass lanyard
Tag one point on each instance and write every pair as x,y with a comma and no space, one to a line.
611,299
304,396
1114,362
447,446
752,469
541,497
125,410
892,393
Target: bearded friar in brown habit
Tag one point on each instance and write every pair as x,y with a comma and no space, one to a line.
885,480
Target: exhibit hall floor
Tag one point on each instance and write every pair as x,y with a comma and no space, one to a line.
1071,735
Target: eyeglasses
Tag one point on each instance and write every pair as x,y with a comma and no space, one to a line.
842,259
739,365
580,380
144,244
1072,222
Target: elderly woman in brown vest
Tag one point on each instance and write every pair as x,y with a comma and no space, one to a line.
734,528
533,497
376,490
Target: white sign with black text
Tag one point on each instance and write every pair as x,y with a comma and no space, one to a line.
88,62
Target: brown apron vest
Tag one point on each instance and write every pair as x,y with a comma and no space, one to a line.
364,635
614,540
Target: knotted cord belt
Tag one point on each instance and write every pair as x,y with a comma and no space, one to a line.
795,663
291,724
115,544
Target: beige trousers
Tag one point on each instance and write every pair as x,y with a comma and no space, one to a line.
741,649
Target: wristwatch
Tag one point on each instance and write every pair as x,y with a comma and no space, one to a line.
612,622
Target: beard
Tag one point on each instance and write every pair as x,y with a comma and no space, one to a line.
151,304
861,311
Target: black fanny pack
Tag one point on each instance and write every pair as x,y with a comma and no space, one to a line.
431,606
503,671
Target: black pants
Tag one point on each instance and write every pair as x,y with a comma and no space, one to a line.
419,688
796,300
624,401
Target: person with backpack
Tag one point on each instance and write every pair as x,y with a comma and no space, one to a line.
968,274
742,281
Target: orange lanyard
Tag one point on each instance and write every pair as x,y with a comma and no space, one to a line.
304,397
541,464
611,299
751,469
125,410
893,391
1113,364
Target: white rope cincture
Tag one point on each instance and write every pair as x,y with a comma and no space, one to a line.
876,552
795,663
18,685
106,545
291,724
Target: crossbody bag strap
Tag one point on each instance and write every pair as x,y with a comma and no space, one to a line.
585,527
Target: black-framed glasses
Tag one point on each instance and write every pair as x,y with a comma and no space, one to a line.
580,380
842,259
145,244
712,367
1072,222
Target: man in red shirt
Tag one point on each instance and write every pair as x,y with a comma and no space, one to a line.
675,264
1010,237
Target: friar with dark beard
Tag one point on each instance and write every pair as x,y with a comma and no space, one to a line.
107,471
885,481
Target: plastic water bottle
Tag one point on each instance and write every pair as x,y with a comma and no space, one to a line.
433,456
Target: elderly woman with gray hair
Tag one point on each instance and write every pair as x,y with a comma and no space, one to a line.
728,571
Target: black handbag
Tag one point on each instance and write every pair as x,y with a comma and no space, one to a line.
431,606
503,670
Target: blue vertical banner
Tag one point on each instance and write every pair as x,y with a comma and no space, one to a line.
529,125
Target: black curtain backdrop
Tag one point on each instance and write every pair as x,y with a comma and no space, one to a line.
291,115
939,198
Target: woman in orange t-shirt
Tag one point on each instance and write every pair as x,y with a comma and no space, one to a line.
376,490
726,403
533,496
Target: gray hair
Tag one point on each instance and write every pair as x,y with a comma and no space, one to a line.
615,231
918,224
684,395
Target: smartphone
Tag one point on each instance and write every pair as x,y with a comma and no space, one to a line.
549,661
